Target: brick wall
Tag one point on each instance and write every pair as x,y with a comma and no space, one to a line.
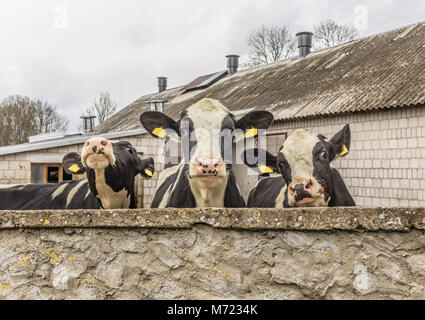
16,168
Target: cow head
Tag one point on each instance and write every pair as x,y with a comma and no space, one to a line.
115,163
304,161
205,129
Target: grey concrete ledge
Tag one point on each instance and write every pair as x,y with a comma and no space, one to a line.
303,219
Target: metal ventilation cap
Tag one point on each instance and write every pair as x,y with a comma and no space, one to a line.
305,39
232,63
162,84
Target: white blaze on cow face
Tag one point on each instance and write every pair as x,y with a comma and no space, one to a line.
97,153
298,152
206,161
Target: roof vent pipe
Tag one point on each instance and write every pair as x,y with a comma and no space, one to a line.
304,43
162,84
232,63
88,123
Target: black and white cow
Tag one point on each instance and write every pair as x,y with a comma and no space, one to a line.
204,178
307,177
110,169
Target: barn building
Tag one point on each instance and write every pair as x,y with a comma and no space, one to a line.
376,84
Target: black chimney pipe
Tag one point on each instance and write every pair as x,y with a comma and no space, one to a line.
304,43
162,84
232,63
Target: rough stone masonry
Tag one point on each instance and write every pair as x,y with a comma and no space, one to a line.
321,253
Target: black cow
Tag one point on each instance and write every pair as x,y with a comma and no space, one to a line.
110,169
307,178
204,178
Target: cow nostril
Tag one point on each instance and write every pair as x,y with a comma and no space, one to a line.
309,184
104,143
87,144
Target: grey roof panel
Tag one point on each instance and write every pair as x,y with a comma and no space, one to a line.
386,70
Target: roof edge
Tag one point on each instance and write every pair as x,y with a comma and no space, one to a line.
26,147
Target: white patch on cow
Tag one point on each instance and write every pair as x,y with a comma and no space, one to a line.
281,197
165,198
207,116
208,194
59,190
162,177
298,151
87,194
109,198
165,174
73,191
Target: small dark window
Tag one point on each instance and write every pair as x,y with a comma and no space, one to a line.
49,173
52,174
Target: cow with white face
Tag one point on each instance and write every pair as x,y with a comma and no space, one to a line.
110,169
307,177
204,178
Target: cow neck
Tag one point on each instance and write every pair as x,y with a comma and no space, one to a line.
206,195
109,198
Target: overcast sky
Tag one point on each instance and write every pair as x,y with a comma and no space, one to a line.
67,52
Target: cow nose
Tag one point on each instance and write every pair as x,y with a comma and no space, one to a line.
96,145
301,189
207,166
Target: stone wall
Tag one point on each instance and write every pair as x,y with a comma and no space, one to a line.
327,253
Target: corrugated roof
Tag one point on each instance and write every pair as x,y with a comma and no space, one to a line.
382,71
67,141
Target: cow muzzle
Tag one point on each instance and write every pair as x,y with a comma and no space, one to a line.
207,167
305,192
97,153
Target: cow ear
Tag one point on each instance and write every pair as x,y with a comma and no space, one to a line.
253,121
157,124
72,164
146,168
341,142
260,160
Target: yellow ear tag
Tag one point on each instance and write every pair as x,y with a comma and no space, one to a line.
74,168
344,151
251,132
148,172
159,132
265,169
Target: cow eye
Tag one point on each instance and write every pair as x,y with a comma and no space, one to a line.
129,149
324,155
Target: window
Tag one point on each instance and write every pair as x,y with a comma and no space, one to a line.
49,173
275,141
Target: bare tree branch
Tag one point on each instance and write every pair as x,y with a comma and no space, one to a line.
103,107
270,44
328,34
